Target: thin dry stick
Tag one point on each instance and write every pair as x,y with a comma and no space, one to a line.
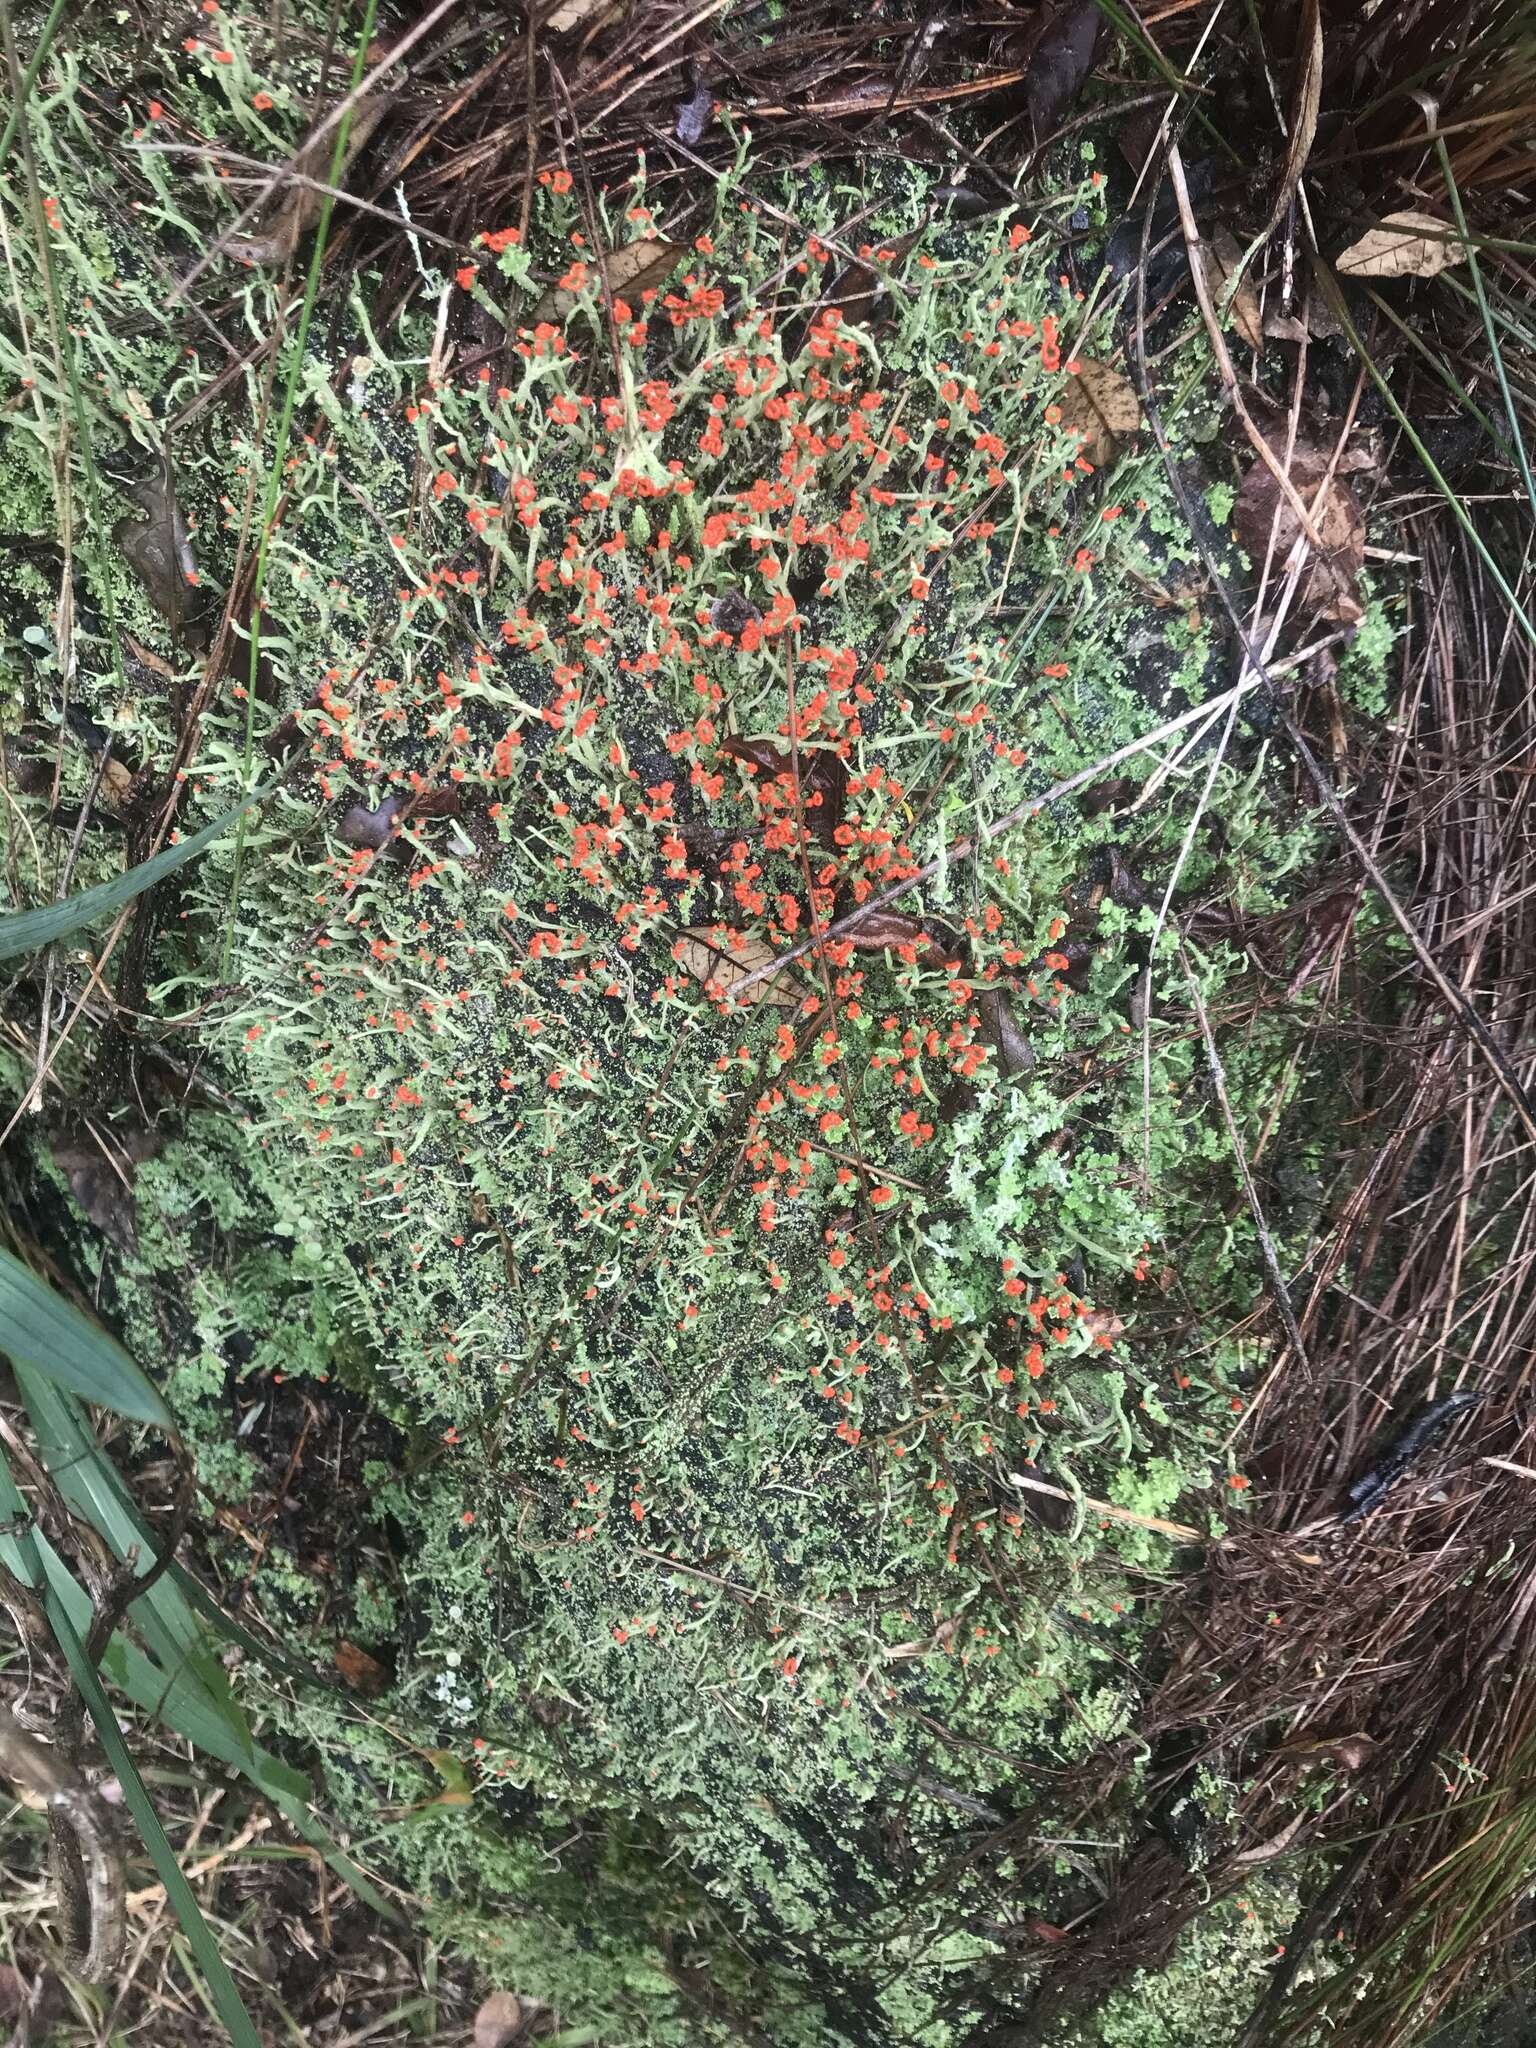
337,114
1503,1072
967,849
1267,1249
1180,1530
1458,1003
1224,368
282,176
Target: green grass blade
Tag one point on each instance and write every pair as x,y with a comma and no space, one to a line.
205,1950
1474,269
27,931
179,1698
22,1549
1459,512
302,1820
176,1699
235,1631
88,1480
29,77
38,1328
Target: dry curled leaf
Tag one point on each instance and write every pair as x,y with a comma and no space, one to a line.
693,114
363,1673
720,966
500,2021
1327,925
374,830
1305,106
100,1162
574,14
286,735
158,546
1314,320
296,207
1222,258
1102,1322
371,830
457,1790
765,756
1351,1752
1405,245
857,286
1280,326
878,931
1060,63
1000,1029
632,270
1327,587
824,775
28,774
1114,793
732,612
1101,408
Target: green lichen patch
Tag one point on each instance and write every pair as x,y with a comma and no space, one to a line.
710,1335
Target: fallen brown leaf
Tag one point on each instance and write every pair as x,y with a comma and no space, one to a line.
1284,327
1350,1751
1125,886
1061,62
632,270
825,776
500,2021
296,208
156,663
1328,586
693,114
1101,1322
1101,408
1112,794
1405,245
766,756
857,286
732,612
100,1162
879,931
1328,923
720,967
371,830
573,14
363,1673
376,829
1000,1029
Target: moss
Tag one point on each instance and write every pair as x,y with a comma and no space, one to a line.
713,1350
1203,1996
1363,677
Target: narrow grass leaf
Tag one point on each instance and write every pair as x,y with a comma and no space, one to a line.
27,931
226,1998
89,1482
40,1329
29,77
177,1699
25,1551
